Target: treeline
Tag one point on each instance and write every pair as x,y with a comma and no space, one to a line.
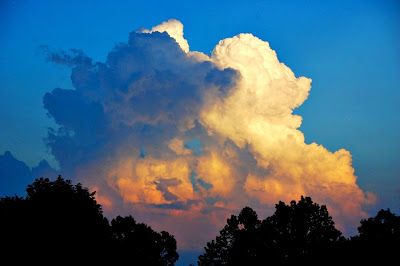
61,223
303,233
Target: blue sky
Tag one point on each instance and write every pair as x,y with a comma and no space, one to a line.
350,49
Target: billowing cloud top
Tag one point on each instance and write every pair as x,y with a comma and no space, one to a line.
174,28
180,139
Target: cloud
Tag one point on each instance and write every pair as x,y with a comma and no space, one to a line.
174,28
265,97
15,174
181,139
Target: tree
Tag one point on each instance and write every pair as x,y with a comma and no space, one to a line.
54,219
234,244
299,232
378,240
295,233
58,222
138,243
384,228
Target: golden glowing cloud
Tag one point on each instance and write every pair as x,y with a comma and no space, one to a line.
259,113
253,152
217,173
178,147
142,181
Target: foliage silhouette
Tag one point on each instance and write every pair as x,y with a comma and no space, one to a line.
58,221
139,241
295,233
302,233
378,240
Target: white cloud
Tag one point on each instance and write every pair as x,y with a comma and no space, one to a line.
132,116
174,28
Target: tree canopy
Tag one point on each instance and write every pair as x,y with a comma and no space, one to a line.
60,220
292,234
301,233
378,240
137,240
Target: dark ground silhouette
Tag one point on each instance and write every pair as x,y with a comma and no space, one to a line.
61,223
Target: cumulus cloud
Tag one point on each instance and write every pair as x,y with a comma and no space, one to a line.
265,96
180,139
174,28
15,174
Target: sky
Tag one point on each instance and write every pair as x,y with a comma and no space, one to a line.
349,49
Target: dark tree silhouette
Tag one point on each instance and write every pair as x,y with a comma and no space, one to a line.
384,227
235,244
295,233
61,223
58,222
378,240
55,217
299,232
138,243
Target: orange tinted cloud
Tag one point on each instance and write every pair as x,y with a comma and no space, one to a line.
237,104
259,113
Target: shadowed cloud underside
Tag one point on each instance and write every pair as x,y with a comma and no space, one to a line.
181,139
